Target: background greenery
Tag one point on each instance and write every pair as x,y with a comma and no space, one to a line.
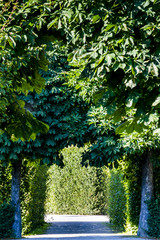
74,189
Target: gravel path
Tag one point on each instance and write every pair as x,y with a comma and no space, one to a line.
70,227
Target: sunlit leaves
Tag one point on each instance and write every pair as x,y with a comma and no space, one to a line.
131,45
20,56
103,37
156,102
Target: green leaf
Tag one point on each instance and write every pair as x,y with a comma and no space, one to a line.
121,128
99,94
109,26
21,103
118,114
1,131
59,24
67,13
52,23
147,27
155,69
109,58
157,131
96,18
130,128
99,62
139,128
11,42
156,102
70,57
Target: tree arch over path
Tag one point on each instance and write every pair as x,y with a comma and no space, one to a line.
113,45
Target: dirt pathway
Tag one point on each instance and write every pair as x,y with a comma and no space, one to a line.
70,227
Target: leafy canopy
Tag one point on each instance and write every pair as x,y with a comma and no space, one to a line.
114,45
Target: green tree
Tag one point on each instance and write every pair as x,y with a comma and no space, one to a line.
60,107
139,147
118,49
146,146
21,58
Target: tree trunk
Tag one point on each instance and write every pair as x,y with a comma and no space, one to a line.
146,194
15,197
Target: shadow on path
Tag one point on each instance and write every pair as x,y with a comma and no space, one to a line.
70,227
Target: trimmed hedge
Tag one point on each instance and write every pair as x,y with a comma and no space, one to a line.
6,220
117,198
74,189
123,195
33,187
131,169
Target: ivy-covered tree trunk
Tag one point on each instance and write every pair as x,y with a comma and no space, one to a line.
15,197
146,194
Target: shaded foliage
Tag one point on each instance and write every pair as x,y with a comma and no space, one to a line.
154,217
6,220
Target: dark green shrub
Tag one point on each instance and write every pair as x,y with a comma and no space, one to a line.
154,217
6,220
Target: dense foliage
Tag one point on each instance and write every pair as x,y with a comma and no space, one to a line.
154,218
19,70
106,146
132,176
6,220
119,50
61,108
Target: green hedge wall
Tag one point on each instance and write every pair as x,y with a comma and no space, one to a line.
73,189
33,188
117,198
123,195
131,169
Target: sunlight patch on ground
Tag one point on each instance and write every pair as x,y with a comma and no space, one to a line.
76,218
